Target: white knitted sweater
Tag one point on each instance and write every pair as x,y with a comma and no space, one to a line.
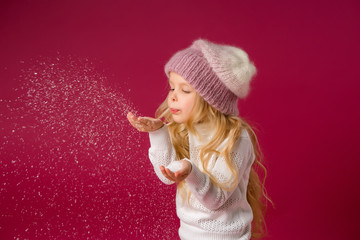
212,213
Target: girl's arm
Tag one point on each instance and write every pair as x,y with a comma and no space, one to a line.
212,196
161,152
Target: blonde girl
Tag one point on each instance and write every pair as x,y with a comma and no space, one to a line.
199,142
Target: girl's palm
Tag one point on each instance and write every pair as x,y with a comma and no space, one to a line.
144,124
179,175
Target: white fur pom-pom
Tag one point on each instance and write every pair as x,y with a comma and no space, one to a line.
175,166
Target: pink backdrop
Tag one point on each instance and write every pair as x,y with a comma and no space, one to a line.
303,101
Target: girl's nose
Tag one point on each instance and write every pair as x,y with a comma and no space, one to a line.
173,96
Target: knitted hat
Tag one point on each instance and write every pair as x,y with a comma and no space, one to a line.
219,73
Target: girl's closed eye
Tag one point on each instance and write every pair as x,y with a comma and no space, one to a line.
184,90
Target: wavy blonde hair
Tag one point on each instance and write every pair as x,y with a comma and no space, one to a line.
226,127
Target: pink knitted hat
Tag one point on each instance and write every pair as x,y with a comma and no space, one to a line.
219,73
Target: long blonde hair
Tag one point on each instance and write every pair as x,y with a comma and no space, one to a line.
226,127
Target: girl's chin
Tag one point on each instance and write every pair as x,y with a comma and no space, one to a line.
177,119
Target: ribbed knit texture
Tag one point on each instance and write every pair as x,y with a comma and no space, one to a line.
219,73
212,213
231,64
193,67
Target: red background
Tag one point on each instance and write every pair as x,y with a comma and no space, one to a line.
303,100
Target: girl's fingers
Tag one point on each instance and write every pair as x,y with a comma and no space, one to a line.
162,169
170,173
182,172
149,121
177,176
135,122
143,122
146,121
167,173
131,118
178,173
138,120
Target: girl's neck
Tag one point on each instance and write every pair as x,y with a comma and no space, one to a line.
204,130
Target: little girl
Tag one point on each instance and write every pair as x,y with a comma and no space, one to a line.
205,147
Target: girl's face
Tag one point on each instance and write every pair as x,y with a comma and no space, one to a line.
181,98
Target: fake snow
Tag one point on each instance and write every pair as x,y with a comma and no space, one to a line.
174,166
72,167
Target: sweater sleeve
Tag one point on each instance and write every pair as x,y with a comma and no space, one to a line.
210,195
161,151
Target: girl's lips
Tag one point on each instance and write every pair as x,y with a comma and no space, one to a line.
173,110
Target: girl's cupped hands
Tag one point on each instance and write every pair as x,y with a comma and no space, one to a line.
179,175
144,124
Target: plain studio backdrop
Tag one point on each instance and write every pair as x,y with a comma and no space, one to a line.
303,101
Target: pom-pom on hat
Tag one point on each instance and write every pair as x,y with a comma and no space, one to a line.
219,73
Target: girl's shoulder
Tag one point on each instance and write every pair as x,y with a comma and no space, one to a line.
244,133
243,143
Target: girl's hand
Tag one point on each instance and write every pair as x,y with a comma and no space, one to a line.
180,175
144,124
